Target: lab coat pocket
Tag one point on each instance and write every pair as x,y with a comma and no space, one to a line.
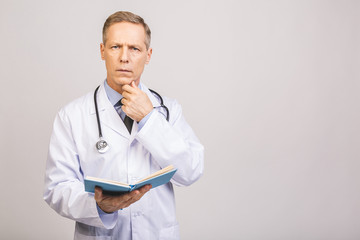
170,233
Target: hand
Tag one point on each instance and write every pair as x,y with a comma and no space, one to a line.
111,204
136,104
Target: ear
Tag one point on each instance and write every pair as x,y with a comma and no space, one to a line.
102,49
148,57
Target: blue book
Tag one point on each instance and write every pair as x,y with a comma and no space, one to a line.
113,187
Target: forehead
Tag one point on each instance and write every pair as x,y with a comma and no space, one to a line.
126,32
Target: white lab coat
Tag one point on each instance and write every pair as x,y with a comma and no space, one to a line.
72,156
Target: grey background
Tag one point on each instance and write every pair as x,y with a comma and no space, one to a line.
282,76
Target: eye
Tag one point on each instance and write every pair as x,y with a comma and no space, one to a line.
114,47
135,49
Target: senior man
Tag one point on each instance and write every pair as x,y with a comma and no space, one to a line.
144,132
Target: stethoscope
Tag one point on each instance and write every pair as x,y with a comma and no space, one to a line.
102,146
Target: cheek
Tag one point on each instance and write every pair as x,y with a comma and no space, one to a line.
140,63
109,62
140,68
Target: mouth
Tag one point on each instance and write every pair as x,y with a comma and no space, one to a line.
123,70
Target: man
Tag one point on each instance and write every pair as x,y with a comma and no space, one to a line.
140,139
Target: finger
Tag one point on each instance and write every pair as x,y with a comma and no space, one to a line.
128,196
128,88
126,200
128,96
128,107
127,110
145,188
125,94
140,192
138,196
135,196
124,101
122,198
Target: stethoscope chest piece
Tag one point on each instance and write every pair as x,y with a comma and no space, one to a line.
102,146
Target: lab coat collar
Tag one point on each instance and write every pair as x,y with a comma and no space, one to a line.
108,115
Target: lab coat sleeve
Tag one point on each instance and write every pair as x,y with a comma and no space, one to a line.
175,143
64,187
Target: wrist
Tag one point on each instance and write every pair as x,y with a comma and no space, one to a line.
101,210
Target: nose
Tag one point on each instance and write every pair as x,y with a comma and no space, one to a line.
124,55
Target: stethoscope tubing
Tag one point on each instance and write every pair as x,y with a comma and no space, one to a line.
97,112
161,103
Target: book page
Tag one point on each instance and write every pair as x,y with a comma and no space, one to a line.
155,174
107,181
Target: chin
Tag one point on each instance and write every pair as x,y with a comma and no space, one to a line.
123,81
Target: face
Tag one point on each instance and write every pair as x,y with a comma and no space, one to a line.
125,54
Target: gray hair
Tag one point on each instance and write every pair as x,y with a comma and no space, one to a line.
123,16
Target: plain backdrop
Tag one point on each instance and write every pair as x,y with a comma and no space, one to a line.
271,88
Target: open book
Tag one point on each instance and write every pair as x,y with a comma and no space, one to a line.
156,179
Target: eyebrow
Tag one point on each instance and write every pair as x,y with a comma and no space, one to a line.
129,45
